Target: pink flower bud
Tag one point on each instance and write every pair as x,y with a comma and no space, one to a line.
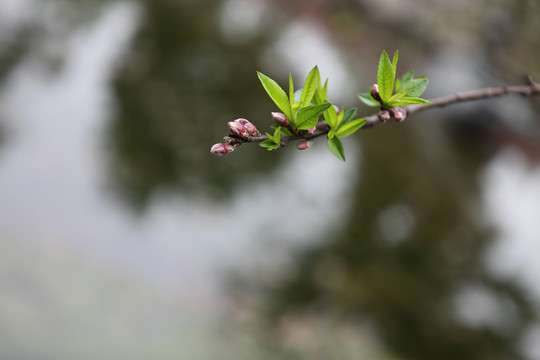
219,149
375,92
242,121
304,144
280,119
384,116
337,109
251,129
398,113
238,129
312,130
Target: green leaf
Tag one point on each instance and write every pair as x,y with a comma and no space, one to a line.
339,117
367,99
409,101
320,94
308,116
277,94
331,117
394,61
350,127
283,131
331,134
268,144
291,91
385,77
277,136
270,137
348,116
336,148
310,86
407,76
295,109
414,87
396,97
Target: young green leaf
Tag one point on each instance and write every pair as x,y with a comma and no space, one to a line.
268,144
414,87
394,61
367,99
407,76
408,101
277,136
310,86
270,136
277,94
291,91
385,77
308,116
331,117
339,117
283,131
350,127
348,116
336,148
320,94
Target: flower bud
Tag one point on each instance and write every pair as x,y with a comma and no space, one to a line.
251,129
311,130
242,121
238,129
280,119
337,109
304,144
384,116
375,93
219,149
398,113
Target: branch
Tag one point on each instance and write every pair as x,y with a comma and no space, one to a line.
530,89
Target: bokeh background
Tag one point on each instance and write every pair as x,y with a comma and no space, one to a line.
121,237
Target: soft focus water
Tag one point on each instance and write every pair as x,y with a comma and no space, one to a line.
122,237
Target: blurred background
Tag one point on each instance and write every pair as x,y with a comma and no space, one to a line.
122,237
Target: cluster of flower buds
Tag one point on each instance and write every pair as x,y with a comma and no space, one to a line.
375,93
280,119
398,113
243,128
240,128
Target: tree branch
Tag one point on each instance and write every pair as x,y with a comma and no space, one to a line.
530,89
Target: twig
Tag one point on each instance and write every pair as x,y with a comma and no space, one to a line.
531,89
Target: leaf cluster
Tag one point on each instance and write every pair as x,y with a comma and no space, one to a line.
303,109
407,88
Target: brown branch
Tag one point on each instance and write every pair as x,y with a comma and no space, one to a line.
531,89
